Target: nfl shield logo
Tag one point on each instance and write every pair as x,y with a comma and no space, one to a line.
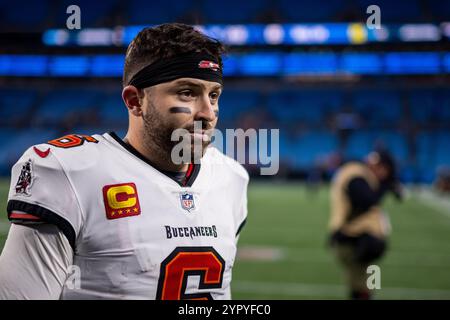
187,201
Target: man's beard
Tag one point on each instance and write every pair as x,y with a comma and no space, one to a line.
157,135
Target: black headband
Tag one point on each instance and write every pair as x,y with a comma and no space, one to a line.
197,65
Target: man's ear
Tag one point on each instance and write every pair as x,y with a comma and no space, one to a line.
131,98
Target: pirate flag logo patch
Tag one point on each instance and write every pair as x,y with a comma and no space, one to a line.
25,180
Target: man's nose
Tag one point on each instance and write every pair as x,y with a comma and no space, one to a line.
205,110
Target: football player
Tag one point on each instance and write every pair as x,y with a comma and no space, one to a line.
101,217
358,226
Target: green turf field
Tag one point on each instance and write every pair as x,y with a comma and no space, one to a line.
4,186
282,252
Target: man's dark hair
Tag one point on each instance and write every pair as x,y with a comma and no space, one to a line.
167,41
386,159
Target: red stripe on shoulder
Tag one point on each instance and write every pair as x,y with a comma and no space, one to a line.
24,216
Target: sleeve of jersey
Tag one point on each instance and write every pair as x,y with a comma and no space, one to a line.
242,213
41,192
34,263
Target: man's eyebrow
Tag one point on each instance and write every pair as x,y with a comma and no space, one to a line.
189,83
195,84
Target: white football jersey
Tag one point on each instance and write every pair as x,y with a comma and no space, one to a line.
136,233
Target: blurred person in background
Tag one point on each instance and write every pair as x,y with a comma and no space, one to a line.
358,226
442,183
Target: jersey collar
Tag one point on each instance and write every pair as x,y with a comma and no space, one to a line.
191,173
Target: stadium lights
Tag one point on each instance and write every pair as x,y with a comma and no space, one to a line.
261,34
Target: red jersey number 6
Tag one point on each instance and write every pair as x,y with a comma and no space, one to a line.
187,261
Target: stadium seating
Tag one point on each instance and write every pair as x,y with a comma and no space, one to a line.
362,142
442,150
235,102
312,146
289,106
113,111
302,115
431,152
379,112
422,106
15,105
17,141
61,105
